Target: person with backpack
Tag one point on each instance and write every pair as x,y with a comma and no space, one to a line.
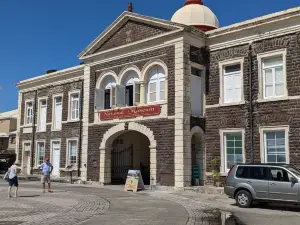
47,168
12,178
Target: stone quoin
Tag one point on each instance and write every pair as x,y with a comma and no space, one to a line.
175,99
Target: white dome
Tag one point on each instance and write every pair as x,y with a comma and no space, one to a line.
196,15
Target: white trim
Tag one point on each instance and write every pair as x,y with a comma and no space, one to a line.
262,129
67,151
38,114
53,110
25,112
51,83
223,64
47,78
105,74
51,151
125,70
69,105
122,19
36,165
265,55
223,132
23,155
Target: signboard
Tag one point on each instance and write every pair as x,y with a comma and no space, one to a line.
131,112
134,181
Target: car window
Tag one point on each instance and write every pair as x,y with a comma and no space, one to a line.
242,172
294,170
258,173
279,174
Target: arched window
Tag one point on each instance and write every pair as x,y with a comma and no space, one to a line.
156,85
132,88
104,93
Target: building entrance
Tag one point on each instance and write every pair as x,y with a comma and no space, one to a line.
198,165
130,150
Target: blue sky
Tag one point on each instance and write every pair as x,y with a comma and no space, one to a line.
38,35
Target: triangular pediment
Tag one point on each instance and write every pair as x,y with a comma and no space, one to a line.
127,29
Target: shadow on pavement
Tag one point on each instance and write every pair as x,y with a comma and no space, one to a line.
274,206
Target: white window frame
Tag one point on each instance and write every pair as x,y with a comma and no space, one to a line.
203,68
223,132
222,65
261,82
36,152
157,86
70,103
263,151
39,112
23,145
68,154
53,128
25,113
51,147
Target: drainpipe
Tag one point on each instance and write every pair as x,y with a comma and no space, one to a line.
251,104
80,130
34,130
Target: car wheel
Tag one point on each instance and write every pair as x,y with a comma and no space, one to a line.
243,199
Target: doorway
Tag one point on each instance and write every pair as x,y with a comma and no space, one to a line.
55,158
130,151
198,167
26,163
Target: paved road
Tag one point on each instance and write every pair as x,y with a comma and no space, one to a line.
77,204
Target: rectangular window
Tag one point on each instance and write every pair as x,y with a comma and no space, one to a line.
275,146
74,106
72,152
29,113
42,115
57,114
40,154
273,77
233,146
27,147
232,83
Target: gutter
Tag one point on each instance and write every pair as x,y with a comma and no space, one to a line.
33,131
251,104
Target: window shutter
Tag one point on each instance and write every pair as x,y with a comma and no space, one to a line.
99,99
237,92
136,92
228,88
120,96
113,96
43,119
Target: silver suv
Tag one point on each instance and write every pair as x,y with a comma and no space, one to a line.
263,183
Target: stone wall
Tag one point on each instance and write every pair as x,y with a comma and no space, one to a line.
69,129
163,131
273,113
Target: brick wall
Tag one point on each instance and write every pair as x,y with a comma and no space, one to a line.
163,130
130,32
264,114
68,129
167,55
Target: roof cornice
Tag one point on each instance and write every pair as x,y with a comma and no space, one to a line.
49,78
256,22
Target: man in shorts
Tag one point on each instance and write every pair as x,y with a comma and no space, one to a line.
46,168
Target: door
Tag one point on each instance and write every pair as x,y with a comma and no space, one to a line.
26,163
280,185
55,157
258,180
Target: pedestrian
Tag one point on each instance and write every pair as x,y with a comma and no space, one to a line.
13,180
46,168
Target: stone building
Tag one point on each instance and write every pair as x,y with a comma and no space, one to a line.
168,97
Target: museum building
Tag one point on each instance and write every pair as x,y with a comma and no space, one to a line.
175,99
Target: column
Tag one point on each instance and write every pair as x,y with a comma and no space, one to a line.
105,165
182,116
85,123
143,92
17,149
153,163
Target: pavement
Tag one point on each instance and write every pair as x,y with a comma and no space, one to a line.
111,205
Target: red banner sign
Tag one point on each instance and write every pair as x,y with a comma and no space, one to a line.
131,112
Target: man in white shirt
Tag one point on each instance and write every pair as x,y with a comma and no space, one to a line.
13,180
